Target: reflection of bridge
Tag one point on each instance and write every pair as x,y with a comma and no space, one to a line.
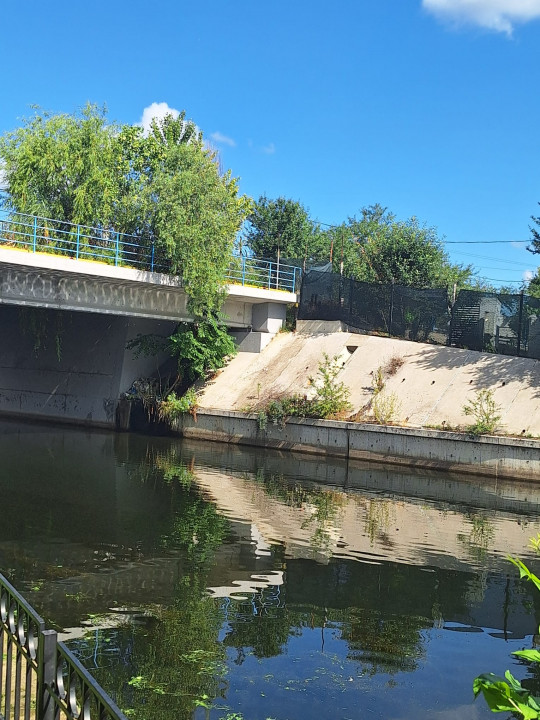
72,267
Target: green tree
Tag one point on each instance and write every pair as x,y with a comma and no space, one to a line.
379,248
283,227
533,287
535,240
62,167
165,187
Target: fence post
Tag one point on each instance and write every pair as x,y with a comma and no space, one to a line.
391,318
117,248
78,241
45,706
152,257
521,298
35,233
243,270
269,275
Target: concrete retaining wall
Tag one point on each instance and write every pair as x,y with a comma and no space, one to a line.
490,456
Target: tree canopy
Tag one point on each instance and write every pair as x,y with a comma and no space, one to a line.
377,247
283,226
164,187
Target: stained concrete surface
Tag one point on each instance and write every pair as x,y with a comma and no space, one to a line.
432,385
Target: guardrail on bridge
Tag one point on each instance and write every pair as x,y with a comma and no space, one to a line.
103,244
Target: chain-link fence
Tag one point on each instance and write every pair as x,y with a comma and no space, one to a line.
490,322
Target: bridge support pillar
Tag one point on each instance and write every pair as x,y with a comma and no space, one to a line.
268,317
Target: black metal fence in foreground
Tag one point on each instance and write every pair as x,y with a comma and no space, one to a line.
40,679
490,322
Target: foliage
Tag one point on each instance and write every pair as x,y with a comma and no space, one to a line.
535,240
508,694
376,247
377,380
196,217
329,400
165,188
283,225
172,407
44,326
201,347
386,407
393,365
533,287
63,166
485,411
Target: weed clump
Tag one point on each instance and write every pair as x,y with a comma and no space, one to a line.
330,399
485,411
173,406
386,407
393,365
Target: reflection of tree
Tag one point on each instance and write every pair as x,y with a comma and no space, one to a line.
379,515
261,624
181,662
322,505
382,642
480,536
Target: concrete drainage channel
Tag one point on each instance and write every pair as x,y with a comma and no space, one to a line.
491,456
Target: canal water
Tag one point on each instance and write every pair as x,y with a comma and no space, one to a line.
199,580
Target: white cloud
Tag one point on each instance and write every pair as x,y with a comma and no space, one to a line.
528,275
156,110
497,15
222,139
518,244
269,149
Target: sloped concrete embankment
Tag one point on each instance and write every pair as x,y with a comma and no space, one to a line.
431,385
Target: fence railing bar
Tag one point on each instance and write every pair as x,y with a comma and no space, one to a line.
40,679
104,244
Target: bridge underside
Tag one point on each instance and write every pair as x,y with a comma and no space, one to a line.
73,365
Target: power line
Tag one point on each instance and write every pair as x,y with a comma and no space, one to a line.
493,259
445,242
478,277
481,242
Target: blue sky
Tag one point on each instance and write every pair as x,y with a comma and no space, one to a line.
428,107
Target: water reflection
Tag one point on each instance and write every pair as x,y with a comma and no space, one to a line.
199,579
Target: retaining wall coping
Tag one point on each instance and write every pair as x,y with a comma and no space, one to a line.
412,432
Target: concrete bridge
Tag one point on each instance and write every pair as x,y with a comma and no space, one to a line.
109,292
64,283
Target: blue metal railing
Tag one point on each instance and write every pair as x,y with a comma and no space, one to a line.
104,244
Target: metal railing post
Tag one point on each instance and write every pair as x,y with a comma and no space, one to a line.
391,319
269,275
78,241
117,248
35,233
243,271
45,706
521,298
152,257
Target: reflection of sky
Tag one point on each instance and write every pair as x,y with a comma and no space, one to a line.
315,677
